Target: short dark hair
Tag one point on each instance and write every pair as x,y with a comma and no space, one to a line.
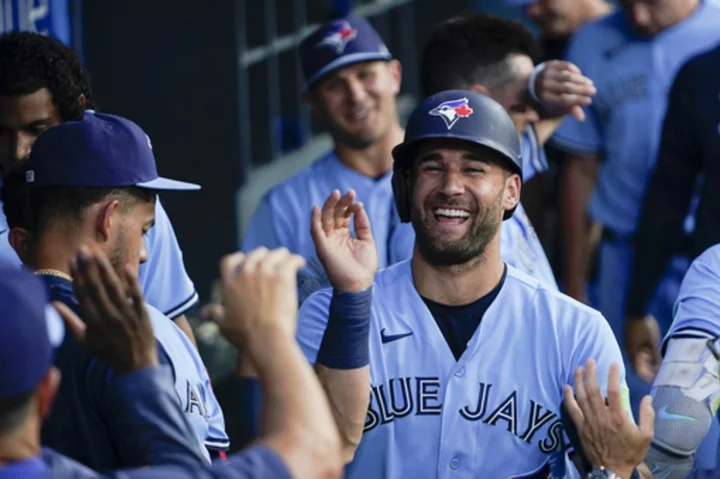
30,62
472,48
69,204
14,411
14,195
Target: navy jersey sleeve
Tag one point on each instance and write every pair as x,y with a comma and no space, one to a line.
670,192
143,417
257,462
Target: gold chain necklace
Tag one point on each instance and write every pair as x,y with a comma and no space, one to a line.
53,272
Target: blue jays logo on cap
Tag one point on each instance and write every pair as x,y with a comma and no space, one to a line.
452,110
340,34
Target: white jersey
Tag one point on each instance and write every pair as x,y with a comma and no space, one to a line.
495,412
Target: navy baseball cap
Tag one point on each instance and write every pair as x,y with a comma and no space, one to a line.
99,150
30,329
337,44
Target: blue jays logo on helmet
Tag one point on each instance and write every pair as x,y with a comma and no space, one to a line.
452,110
339,36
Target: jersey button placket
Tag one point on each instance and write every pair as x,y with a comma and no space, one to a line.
460,372
454,463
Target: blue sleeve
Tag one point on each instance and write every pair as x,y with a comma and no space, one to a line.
312,322
166,285
257,462
534,160
709,474
594,339
266,227
697,308
143,417
583,138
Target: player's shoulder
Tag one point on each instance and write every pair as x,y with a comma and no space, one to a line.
705,267
697,67
558,305
603,30
298,185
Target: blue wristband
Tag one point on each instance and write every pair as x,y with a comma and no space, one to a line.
345,342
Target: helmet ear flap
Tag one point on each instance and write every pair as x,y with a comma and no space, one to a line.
401,192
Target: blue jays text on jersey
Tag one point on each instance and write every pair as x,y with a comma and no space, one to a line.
82,422
495,416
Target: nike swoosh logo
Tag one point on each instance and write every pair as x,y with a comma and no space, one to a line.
667,416
392,337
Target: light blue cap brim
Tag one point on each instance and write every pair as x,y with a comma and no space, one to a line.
346,60
168,184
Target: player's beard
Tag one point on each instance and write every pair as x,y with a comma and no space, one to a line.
482,228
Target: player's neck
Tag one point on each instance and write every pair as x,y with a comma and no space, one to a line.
55,250
21,444
595,9
459,284
375,160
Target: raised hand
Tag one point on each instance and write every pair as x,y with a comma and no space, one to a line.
350,262
609,437
115,326
563,87
260,293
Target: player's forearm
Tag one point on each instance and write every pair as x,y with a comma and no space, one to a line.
546,127
297,424
579,182
348,393
343,364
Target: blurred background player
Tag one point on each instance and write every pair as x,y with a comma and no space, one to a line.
688,152
557,20
351,84
43,83
493,56
95,181
632,56
430,335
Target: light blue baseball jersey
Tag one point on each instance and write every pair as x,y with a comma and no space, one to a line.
519,244
697,310
192,384
633,76
283,216
493,413
165,283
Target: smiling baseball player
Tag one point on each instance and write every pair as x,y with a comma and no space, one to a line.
465,357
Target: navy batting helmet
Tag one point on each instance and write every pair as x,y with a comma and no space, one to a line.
460,115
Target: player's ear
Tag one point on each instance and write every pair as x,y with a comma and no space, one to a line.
479,88
19,239
82,100
396,72
512,191
107,218
46,391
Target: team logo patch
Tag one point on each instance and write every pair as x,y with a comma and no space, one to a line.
453,110
338,37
